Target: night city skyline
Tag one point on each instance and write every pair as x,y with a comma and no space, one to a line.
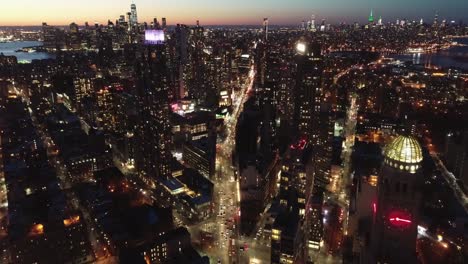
213,12
234,132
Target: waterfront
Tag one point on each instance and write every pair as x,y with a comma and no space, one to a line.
10,48
455,57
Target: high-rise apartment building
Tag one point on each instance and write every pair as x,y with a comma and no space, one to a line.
153,131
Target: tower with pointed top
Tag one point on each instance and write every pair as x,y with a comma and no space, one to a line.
371,17
312,23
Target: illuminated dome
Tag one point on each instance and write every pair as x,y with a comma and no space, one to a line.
404,153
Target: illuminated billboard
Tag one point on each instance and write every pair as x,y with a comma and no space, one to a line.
154,36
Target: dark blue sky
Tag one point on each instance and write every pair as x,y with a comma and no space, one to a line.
33,12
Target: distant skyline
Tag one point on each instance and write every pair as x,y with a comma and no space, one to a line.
217,12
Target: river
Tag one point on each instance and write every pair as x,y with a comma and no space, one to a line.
456,56
10,48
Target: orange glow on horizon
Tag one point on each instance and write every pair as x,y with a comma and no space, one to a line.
172,21
62,13
212,12
209,12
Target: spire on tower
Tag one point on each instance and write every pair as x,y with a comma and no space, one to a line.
371,16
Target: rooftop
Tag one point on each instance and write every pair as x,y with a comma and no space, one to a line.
404,153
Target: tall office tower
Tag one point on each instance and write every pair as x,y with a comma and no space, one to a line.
265,28
197,72
129,18
371,17
49,36
308,90
164,23
75,38
155,23
312,118
121,19
396,211
322,146
268,81
133,15
322,25
312,125
312,23
182,33
153,133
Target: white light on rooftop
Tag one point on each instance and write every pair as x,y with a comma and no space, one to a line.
301,47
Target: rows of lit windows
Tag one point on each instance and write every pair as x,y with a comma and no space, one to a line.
276,234
396,165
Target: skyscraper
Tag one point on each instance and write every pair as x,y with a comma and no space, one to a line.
395,220
312,118
371,17
133,15
312,23
265,27
154,130
163,23
312,125
308,88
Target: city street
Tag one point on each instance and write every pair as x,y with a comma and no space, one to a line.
452,181
224,226
233,133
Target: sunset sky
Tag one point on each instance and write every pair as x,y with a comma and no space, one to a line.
210,12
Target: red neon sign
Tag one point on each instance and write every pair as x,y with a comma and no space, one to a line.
374,206
300,145
400,219
397,219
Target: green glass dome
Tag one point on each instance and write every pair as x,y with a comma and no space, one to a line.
404,153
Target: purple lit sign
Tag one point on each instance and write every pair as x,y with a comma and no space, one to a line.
154,36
